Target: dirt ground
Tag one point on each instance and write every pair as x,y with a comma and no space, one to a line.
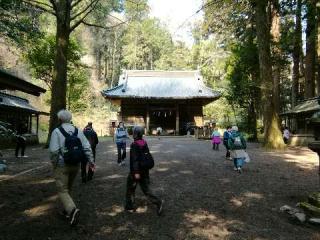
204,197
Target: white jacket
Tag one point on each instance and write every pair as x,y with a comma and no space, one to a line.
57,142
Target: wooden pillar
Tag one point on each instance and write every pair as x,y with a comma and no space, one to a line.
37,124
30,124
147,120
177,119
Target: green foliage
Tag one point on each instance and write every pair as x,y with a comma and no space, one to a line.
242,66
41,59
144,44
19,22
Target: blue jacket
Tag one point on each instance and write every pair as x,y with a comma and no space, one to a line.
226,136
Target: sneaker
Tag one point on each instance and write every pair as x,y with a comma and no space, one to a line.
235,169
130,209
160,208
120,164
239,170
64,214
24,156
74,217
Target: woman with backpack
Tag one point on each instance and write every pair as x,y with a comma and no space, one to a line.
120,137
237,145
141,161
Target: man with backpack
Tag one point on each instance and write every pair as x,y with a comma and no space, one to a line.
237,145
68,148
141,161
92,137
226,136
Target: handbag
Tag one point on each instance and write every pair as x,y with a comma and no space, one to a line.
247,158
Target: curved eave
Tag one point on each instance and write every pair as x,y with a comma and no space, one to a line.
208,99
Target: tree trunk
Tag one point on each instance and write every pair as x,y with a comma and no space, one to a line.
114,51
252,121
275,34
272,133
318,50
310,49
59,83
296,56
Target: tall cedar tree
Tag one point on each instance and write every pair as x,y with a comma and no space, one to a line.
272,133
310,49
297,44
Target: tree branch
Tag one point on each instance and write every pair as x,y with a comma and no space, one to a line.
82,19
99,26
39,7
89,7
54,4
75,4
41,3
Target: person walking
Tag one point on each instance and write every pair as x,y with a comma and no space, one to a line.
120,137
286,135
215,139
237,146
92,137
226,136
141,161
68,147
21,140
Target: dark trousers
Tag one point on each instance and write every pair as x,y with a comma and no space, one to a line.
144,183
228,150
121,151
21,144
84,174
215,146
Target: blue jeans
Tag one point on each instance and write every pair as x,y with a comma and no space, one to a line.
238,162
121,147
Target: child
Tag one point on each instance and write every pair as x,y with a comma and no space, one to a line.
215,139
139,175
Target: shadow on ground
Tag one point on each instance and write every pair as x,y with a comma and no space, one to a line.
204,197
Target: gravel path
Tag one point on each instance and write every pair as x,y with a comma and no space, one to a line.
204,197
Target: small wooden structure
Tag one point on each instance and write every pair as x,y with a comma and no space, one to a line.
17,111
298,121
166,99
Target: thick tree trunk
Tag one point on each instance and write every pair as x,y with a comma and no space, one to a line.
310,49
296,56
272,133
275,34
252,121
318,49
59,83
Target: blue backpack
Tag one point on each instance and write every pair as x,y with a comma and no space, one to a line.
74,153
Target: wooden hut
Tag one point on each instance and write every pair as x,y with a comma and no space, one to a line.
17,111
298,121
171,100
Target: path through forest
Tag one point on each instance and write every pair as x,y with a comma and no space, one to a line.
204,197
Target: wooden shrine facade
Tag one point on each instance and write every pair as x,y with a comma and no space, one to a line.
167,99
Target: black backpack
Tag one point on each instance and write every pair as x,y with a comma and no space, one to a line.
146,160
74,153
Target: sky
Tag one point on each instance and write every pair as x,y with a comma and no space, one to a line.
173,13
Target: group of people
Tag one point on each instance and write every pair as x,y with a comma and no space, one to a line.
70,147
235,145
